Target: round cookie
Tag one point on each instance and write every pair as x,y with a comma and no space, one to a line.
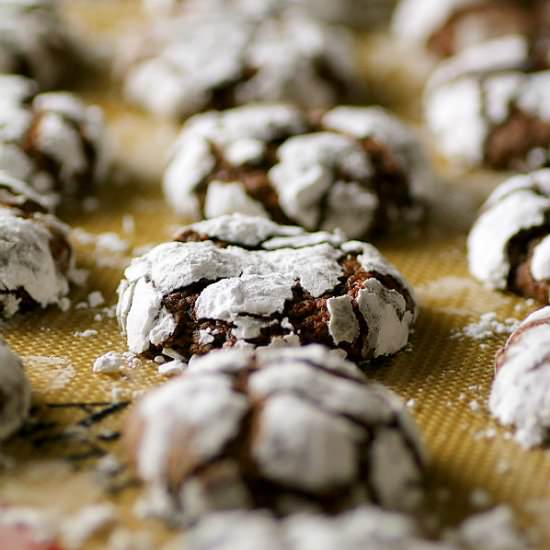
36,259
246,281
357,13
50,140
509,244
198,62
483,114
34,41
258,429
519,396
15,392
358,169
446,27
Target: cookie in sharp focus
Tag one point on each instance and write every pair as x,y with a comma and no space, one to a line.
52,141
15,392
519,395
243,429
246,281
446,27
359,169
37,262
509,244
193,63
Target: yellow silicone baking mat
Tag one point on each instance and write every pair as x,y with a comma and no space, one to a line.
445,375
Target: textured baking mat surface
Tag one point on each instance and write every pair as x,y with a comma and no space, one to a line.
445,375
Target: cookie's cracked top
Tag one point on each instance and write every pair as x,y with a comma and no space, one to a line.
34,41
353,168
519,395
248,429
37,261
241,280
52,140
194,63
447,27
509,244
15,392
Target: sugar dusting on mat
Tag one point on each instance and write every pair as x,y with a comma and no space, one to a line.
487,327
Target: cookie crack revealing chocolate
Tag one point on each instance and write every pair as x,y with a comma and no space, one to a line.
215,60
509,244
15,392
51,140
193,295
255,429
357,169
37,262
519,396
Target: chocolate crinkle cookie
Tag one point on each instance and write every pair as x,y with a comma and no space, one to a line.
34,42
357,13
247,429
246,281
483,109
446,27
37,261
509,244
519,396
15,391
51,140
197,62
358,169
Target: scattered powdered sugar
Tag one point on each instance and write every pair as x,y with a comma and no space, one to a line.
95,298
88,333
56,372
488,326
114,362
172,368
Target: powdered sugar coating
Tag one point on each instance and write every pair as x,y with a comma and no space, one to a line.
33,40
245,288
466,102
277,163
212,59
15,392
52,140
519,395
519,205
284,421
